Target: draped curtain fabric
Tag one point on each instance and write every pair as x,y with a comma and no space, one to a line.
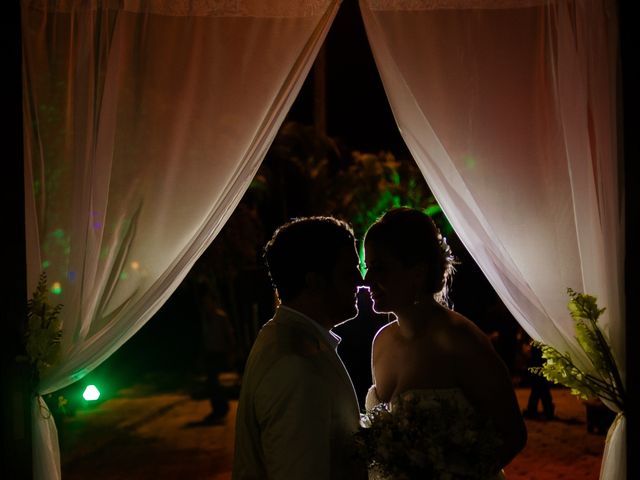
144,124
509,109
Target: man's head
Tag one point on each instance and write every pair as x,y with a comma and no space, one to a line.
314,259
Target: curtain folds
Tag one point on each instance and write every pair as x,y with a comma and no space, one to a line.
144,124
509,109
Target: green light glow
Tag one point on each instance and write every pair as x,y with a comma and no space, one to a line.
469,161
59,233
432,210
363,265
56,288
79,374
123,275
46,263
91,393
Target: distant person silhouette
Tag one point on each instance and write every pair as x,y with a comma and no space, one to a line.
219,344
357,337
540,391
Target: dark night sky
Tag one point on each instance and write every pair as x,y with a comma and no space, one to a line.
357,109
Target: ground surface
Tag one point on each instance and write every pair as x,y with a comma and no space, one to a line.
149,435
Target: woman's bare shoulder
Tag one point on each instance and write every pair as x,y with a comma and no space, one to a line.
386,331
384,336
461,334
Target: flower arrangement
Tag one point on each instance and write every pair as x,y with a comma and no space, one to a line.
435,436
44,329
605,380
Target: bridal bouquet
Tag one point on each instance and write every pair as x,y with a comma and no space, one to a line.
435,437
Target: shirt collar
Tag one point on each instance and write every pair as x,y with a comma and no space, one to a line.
333,339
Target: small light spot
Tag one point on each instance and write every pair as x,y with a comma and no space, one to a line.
469,162
91,393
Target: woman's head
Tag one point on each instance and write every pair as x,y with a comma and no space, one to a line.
411,238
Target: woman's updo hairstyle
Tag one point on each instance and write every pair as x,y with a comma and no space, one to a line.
413,238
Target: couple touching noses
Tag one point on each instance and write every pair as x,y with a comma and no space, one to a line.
298,412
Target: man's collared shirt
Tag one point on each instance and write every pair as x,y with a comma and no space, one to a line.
333,339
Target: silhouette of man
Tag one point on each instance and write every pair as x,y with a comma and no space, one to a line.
298,411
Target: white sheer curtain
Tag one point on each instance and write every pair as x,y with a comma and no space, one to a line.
509,108
144,124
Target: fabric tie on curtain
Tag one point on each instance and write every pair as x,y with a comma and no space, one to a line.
509,109
144,124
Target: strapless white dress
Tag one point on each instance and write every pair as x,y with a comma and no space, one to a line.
452,395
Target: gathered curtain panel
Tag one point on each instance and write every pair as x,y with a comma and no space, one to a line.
509,109
144,123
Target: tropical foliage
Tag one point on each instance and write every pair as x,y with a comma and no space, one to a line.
603,378
44,329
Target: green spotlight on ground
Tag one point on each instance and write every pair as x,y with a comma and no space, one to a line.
91,393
